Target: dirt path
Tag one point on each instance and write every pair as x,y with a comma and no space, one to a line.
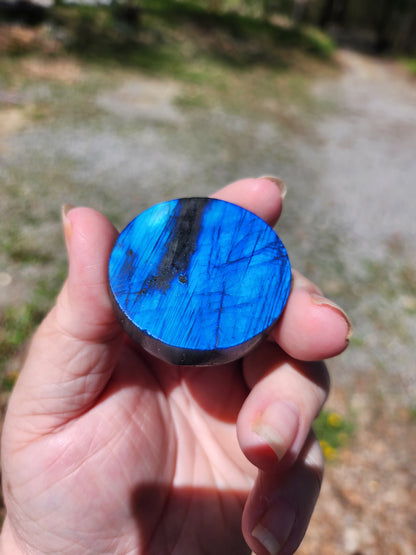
365,167
367,177
370,162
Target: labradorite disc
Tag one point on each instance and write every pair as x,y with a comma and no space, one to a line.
198,281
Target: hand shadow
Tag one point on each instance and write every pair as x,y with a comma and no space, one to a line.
205,521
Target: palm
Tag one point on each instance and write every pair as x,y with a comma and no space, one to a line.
158,433
106,450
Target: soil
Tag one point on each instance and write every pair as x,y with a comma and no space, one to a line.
348,223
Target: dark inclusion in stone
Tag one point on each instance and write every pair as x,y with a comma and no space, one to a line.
198,281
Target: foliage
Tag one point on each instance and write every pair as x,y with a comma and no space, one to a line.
120,25
333,432
17,324
410,64
161,33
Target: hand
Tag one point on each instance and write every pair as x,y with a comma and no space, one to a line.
108,450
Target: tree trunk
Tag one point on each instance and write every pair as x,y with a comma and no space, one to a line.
333,11
406,36
341,7
326,13
382,26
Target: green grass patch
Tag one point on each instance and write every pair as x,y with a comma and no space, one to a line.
333,432
412,414
222,59
20,251
16,326
18,323
166,36
410,65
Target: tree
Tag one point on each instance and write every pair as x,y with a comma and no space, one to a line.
333,11
405,39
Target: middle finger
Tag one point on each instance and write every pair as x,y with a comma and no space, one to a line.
286,396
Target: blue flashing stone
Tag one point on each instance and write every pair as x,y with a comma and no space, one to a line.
198,281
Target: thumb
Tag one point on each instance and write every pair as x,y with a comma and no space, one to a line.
83,308
74,351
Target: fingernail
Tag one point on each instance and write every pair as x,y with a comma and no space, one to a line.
278,426
277,181
66,222
301,282
320,300
267,539
274,527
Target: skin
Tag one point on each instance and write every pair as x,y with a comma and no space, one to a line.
108,450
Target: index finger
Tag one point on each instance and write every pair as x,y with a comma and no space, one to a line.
311,327
263,196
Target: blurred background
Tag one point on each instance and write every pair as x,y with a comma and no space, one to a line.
119,105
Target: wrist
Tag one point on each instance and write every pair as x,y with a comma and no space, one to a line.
8,543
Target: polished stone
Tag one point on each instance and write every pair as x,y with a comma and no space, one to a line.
198,281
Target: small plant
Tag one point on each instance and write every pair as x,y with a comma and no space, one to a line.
412,414
410,64
333,432
17,324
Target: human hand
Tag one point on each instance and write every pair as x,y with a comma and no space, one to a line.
107,450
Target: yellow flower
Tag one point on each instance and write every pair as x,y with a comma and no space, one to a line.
330,453
12,376
334,420
324,444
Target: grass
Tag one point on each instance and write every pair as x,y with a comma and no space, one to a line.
395,305
18,322
236,39
211,52
24,252
16,325
410,65
171,37
412,414
222,58
20,250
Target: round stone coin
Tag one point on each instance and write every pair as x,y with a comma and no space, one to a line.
198,281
